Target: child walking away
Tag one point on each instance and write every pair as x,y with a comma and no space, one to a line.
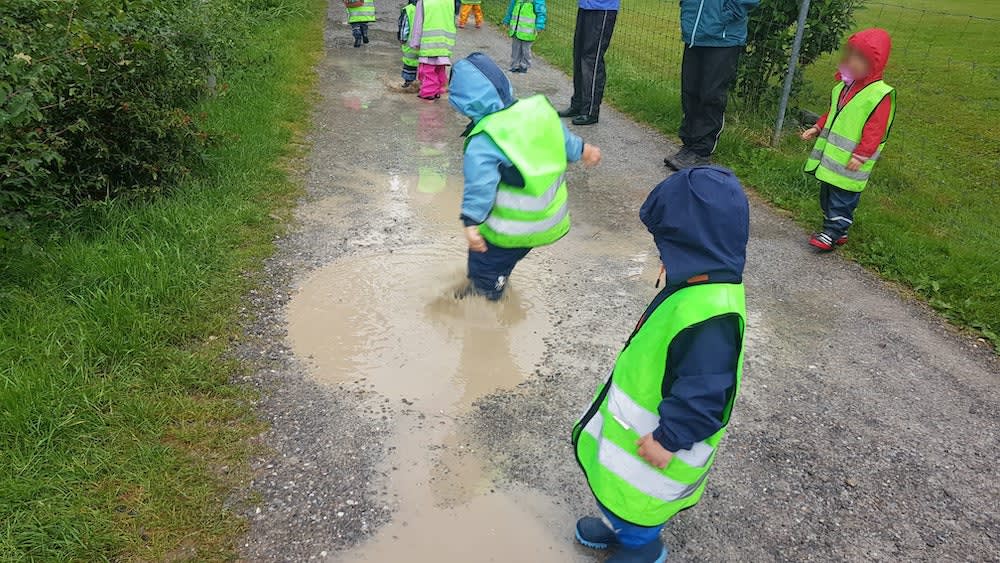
648,441
410,55
850,137
524,19
515,195
433,37
474,6
359,14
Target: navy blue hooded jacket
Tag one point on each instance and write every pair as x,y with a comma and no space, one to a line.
700,222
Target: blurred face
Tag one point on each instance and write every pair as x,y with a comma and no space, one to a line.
854,63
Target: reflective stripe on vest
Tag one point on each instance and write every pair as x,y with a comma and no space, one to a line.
437,37
522,21
362,14
531,136
626,409
836,143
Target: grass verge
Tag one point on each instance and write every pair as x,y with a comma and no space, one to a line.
930,219
120,437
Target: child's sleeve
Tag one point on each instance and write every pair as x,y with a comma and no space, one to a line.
821,122
540,15
874,130
510,12
574,145
702,364
418,25
481,167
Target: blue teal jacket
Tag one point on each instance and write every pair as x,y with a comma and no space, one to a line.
715,23
700,222
478,88
539,14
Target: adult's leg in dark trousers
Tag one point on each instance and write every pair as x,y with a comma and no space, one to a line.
599,26
718,70
578,35
840,211
690,93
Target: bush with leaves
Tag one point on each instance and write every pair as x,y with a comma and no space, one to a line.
95,98
769,46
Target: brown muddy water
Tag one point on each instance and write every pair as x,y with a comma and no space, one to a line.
392,320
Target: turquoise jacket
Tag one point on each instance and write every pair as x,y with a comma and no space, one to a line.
715,23
539,14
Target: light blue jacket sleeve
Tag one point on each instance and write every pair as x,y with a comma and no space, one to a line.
510,12
574,145
481,168
539,15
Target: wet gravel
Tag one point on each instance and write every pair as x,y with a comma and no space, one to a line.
867,430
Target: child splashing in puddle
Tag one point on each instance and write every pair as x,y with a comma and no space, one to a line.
516,151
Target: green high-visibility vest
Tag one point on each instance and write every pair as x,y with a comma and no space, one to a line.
410,55
472,2
841,134
437,38
522,21
531,135
362,14
625,410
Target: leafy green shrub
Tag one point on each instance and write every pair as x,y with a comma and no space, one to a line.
94,97
771,34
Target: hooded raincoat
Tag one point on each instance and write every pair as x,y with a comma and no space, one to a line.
875,44
479,88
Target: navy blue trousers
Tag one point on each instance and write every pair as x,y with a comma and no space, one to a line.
490,270
838,207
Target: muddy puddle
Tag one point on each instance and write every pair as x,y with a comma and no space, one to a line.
393,320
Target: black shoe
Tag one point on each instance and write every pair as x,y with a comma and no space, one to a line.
585,119
686,158
570,112
364,38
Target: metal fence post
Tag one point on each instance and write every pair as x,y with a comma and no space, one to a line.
793,61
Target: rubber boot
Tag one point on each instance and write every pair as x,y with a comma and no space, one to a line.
364,34
594,533
652,552
357,36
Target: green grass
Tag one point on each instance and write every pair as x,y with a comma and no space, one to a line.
120,436
930,218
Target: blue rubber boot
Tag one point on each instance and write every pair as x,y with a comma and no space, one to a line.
652,552
595,534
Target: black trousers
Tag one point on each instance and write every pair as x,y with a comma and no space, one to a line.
706,75
590,42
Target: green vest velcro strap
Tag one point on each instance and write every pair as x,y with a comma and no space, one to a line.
508,198
634,470
517,228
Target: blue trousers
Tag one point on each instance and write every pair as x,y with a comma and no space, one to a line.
838,209
629,534
490,270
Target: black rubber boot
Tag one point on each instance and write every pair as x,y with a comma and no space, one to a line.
364,34
357,36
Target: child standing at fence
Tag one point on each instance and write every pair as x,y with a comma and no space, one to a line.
359,14
411,59
850,137
433,36
524,20
473,6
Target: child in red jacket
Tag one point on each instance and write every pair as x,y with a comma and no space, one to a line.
850,137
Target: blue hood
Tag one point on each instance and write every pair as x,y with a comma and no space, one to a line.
700,222
478,87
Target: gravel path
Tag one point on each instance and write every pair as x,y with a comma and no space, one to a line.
866,430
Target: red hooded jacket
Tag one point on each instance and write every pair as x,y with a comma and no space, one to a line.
875,45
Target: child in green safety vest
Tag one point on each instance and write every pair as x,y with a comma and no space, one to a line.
411,56
649,439
359,14
850,137
524,20
516,152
